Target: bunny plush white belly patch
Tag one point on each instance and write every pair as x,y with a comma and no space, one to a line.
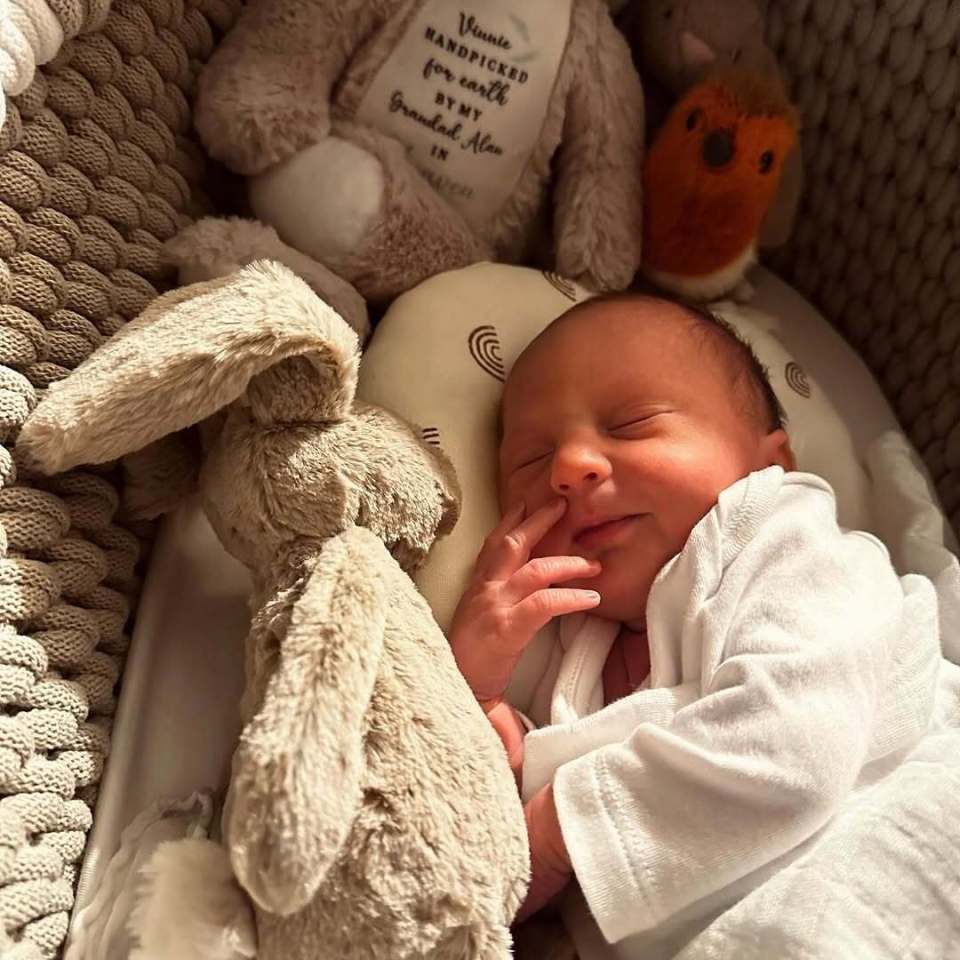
466,89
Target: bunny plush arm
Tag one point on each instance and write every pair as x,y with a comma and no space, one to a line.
598,215
265,93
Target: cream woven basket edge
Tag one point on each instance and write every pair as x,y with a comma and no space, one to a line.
98,167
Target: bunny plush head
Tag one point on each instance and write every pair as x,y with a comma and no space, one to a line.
270,370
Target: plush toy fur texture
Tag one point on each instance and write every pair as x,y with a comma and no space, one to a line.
676,43
292,72
160,475
702,218
195,910
214,247
371,811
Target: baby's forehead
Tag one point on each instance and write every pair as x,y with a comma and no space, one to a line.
617,330
622,343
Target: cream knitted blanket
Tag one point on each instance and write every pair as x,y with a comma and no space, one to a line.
97,170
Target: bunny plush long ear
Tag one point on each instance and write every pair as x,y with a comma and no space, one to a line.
191,353
297,772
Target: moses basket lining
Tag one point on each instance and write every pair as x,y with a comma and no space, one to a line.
99,166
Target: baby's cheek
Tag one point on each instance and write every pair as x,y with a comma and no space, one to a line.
512,492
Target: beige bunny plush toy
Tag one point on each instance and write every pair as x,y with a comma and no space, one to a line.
371,811
391,140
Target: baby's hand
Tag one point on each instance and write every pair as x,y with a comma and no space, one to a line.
550,868
510,597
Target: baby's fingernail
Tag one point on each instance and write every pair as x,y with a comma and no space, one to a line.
593,595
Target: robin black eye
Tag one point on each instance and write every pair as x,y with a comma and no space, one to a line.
766,161
693,118
668,13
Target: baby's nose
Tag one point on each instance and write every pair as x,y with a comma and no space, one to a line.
577,468
566,486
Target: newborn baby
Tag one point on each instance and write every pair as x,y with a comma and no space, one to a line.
732,665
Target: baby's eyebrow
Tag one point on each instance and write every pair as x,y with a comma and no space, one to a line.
509,443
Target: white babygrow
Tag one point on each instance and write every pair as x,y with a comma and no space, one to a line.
790,668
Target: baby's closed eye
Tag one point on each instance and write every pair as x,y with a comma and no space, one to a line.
629,427
530,458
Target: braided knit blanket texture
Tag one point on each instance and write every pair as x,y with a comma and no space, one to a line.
97,170
877,240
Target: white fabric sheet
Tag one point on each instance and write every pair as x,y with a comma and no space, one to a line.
177,720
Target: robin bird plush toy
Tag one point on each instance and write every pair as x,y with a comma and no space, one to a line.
709,179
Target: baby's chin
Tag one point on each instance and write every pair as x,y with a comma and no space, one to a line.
621,613
624,602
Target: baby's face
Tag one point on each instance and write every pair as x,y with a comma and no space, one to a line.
621,411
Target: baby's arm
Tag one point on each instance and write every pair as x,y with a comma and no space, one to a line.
511,731
550,865
742,776
509,598
550,868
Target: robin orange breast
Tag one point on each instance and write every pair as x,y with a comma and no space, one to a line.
709,179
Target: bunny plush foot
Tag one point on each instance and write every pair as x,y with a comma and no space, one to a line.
354,202
323,200
191,908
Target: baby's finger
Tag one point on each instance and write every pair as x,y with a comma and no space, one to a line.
514,548
495,537
546,571
541,607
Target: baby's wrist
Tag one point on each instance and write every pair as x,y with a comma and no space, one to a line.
490,694
487,685
511,730
553,846
490,704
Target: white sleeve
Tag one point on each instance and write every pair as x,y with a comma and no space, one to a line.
761,760
528,725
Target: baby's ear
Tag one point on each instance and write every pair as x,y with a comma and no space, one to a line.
778,452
